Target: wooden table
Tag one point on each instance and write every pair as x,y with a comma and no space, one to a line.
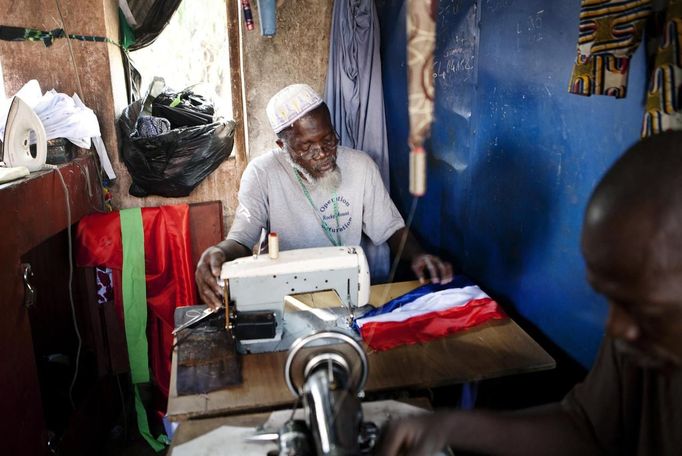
494,349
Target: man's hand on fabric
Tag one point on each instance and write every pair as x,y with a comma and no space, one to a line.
438,271
207,275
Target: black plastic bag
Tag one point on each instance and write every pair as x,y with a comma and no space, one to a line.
173,163
183,109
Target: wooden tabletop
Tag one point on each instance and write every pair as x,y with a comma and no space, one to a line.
494,349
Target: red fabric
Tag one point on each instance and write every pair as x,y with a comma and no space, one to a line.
168,271
423,328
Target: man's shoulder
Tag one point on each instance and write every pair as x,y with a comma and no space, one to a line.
265,160
354,157
266,164
262,168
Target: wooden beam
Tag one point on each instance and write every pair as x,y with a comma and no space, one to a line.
237,83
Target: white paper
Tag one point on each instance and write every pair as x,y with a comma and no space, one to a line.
378,412
231,439
225,440
60,114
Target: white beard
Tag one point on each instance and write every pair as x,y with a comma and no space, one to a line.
330,182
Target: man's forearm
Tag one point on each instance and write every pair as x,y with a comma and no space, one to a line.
411,247
232,249
540,431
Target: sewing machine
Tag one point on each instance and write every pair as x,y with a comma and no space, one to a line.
257,289
329,380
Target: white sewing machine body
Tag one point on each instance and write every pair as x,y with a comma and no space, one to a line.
261,283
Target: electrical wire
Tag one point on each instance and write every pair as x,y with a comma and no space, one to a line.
401,247
71,300
80,90
68,43
68,215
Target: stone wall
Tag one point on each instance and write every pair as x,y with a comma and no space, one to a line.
297,53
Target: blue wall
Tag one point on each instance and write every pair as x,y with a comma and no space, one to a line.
514,156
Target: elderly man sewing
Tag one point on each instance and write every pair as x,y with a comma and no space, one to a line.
312,193
631,401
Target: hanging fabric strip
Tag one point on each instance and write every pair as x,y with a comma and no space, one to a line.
158,444
8,33
135,293
610,32
421,42
135,312
664,95
354,89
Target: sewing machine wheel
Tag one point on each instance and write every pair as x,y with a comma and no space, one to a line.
326,346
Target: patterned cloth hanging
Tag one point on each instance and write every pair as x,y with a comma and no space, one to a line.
421,42
610,32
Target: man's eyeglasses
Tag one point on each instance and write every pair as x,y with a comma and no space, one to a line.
308,151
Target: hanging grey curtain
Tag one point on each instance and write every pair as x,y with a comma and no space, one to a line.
354,94
147,18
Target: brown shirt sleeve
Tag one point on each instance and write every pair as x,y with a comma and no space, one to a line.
628,409
596,404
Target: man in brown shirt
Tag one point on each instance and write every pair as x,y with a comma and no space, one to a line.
631,401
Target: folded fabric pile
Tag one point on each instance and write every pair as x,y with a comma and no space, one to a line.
426,313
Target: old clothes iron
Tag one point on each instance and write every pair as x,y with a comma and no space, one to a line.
258,287
24,146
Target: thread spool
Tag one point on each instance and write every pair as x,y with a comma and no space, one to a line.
273,246
418,171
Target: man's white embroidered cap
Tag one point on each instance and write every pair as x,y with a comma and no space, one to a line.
290,104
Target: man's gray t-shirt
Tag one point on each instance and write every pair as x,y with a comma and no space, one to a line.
271,197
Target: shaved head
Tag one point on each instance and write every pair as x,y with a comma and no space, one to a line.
638,204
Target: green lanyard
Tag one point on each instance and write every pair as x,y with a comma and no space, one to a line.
323,224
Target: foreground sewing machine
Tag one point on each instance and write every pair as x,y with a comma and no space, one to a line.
327,370
258,289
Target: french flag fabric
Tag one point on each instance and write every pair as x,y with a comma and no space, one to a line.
426,313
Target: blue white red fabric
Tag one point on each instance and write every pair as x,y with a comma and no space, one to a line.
426,313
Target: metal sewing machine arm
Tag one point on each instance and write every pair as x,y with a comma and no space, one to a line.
327,371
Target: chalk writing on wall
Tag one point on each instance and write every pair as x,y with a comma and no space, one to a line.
497,5
454,62
530,31
455,59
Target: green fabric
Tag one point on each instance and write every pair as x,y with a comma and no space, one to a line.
161,441
127,34
135,293
135,314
